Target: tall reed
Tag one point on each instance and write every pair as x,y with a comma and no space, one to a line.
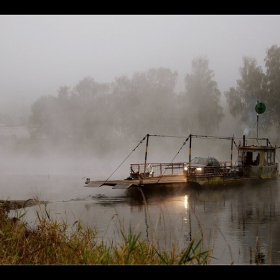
52,242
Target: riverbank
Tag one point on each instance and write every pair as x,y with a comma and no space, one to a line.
51,243
17,204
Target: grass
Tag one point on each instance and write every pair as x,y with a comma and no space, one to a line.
51,242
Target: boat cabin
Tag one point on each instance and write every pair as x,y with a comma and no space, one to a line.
253,162
258,161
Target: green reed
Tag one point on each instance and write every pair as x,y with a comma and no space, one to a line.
52,242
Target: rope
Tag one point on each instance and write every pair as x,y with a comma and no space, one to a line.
167,136
215,137
235,144
125,160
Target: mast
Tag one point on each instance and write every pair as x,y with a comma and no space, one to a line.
190,149
146,154
190,154
231,151
259,108
257,126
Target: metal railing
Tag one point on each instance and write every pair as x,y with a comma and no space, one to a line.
158,169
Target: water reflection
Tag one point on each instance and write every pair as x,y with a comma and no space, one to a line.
187,220
240,224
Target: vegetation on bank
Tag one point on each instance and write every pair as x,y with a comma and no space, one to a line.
99,118
50,242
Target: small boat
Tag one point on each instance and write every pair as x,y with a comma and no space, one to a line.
255,162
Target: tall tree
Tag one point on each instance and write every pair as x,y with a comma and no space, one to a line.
64,113
88,101
200,104
249,90
159,112
272,85
42,120
145,103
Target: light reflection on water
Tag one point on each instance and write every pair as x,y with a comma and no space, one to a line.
236,222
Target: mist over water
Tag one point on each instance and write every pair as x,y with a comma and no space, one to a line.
233,221
230,220
89,121
61,170
51,177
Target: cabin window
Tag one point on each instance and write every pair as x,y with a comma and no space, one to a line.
249,158
252,158
269,157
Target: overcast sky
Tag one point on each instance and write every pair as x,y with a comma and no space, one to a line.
40,53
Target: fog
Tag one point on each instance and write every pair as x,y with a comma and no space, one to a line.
39,54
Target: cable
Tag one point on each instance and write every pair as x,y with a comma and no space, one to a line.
125,159
184,143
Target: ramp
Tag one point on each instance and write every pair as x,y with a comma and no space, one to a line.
122,184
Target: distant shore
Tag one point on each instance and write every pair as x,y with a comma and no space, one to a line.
16,204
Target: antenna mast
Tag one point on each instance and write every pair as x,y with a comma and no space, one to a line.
259,108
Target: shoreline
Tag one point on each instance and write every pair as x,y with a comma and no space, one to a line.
17,204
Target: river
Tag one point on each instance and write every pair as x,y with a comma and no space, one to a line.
238,223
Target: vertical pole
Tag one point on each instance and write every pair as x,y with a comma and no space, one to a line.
257,126
190,149
243,153
231,151
190,154
147,143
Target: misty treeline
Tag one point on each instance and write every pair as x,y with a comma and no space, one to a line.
102,117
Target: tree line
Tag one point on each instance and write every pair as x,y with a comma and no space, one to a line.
98,115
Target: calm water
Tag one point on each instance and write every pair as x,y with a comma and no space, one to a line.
234,222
